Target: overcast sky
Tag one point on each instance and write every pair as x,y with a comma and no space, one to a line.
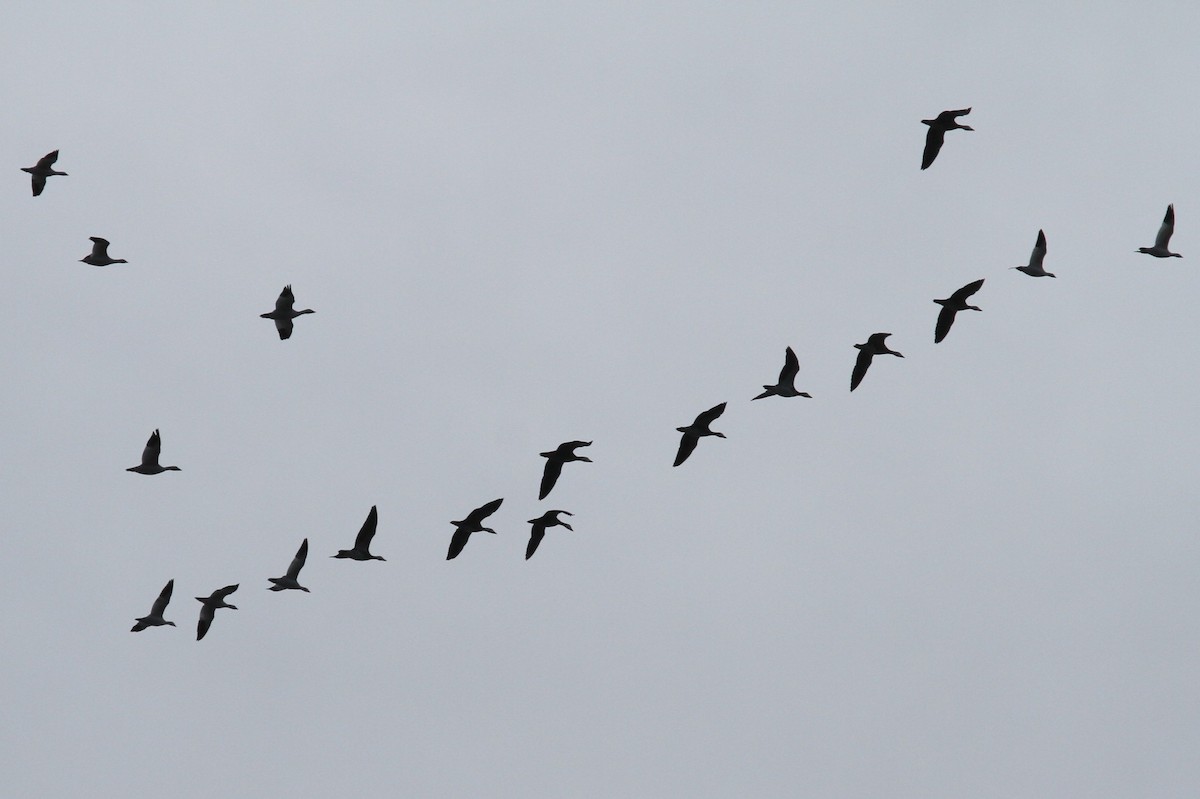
521,224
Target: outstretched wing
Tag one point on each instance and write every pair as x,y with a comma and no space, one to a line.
966,291
1166,229
944,321
39,183
933,144
164,597
710,416
367,531
686,445
151,452
791,367
206,616
861,365
535,537
550,476
47,161
298,561
457,542
482,512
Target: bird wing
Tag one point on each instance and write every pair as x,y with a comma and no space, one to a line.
206,616
550,476
367,532
535,537
961,295
152,450
457,542
944,321
99,247
954,115
39,183
286,300
47,160
686,444
164,597
710,416
861,365
284,326
1039,250
482,512
221,593
1168,227
298,561
791,366
933,144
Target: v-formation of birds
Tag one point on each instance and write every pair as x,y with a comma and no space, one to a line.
285,313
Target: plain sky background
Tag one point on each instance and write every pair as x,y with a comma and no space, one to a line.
521,224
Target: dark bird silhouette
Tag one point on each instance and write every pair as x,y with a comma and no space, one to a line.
284,313
1160,249
875,346
952,305
472,524
99,254
694,431
43,169
291,579
149,464
947,120
1034,267
786,387
209,607
547,519
155,617
555,459
362,544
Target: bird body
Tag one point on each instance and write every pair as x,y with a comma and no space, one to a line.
362,543
538,531
786,386
952,305
697,430
936,135
209,607
43,169
472,524
563,453
155,617
1160,248
875,345
149,464
1034,267
284,313
99,254
291,579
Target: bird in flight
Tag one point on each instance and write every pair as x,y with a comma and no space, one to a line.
149,464
1034,267
786,387
563,453
209,607
284,313
291,579
99,254
1160,249
875,345
155,617
43,169
362,544
472,524
696,430
547,519
947,120
952,305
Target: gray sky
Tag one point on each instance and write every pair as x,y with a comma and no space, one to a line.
520,225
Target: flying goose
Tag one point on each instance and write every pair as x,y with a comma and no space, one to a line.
1034,267
291,579
952,305
1160,250
284,313
694,431
947,120
555,459
472,524
99,254
875,345
362,544
43,169
547,519
786,387
155,617
210,604
149,464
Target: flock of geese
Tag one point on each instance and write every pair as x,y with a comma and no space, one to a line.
285,313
